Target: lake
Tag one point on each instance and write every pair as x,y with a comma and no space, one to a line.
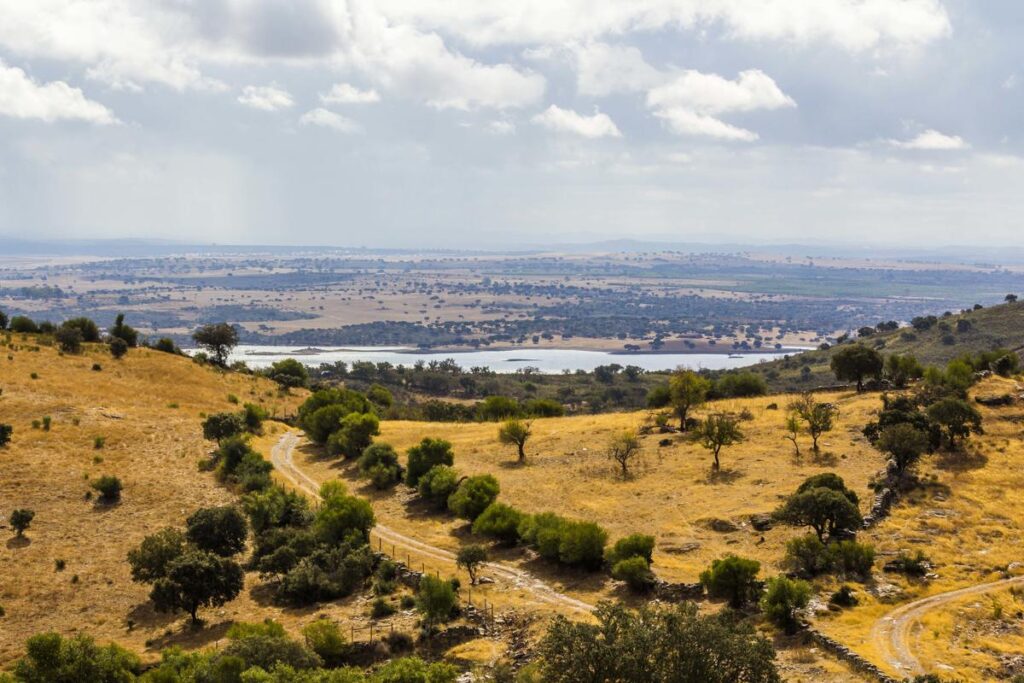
509,360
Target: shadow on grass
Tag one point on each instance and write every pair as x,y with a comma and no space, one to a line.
191,636
725,475
563,578
144,614
960,461
16,542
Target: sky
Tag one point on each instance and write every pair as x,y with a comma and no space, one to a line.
481,124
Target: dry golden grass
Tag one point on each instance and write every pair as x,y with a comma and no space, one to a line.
969,522
148,407
672,493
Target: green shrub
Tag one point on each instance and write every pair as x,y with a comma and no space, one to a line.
634,545
733,578
843,597
851,558
222,426
499,521
425,455
109,488
118,347
51,657
807,555
582,545
355,432
782,598
436,600
379,464
437,485
473,496
635,571
381,608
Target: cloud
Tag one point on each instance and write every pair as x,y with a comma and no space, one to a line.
344,93
602,69
329,119
692,101
501,127
565,120
854,25
687,122
265,97
932,140
23,98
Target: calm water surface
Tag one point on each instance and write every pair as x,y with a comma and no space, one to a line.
545,360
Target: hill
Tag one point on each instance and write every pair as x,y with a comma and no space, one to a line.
147,408
934,341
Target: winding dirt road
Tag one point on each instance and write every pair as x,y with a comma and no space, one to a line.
281,457
892,635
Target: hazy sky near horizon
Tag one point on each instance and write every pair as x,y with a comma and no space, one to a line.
488,124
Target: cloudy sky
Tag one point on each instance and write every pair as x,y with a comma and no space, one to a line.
478,123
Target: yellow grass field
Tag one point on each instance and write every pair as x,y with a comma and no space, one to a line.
148,407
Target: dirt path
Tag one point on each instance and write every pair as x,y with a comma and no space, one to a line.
892,634
281,457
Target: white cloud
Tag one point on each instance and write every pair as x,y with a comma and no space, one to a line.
687,122
712,94
596,126
932,140
23,98
691,102
502,127
345,93
602,69
329,119
854,25
265,97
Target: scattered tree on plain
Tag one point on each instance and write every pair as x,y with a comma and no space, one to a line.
819,417
218,339
718,431
471,558
855,362
687,390
623,448
515,433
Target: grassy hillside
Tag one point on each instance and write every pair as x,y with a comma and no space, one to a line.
984,329
147,407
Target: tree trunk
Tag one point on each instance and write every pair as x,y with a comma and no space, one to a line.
716,467
682,420
522,452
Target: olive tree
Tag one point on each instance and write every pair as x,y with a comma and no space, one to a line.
823,503
20,520
733,578
687,390
218,339
623,448
957,418
819,416
197,579
904,443
718,431
855,362
515,433
471,558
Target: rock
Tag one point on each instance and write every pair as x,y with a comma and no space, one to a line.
678,548
761,521
995,400
722,526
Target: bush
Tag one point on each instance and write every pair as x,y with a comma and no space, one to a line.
354,434
843,597
342,516
733,578
289,373
473,496
325,638
166,345
494,408
543,407
109,488
634,545
435,600
782,598
381,608
415,670
635,571
23,325
118,347
438,484
379,464
69,339
253,417
499,521
582,544
738,385
655,643
50,657
88,329
807,555
852,558
425,455
222,426
5,434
